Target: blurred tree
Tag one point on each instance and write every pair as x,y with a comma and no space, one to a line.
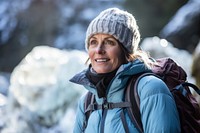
35,25
183,30
25,24
195,69
152,15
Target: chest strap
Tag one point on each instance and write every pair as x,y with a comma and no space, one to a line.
107,106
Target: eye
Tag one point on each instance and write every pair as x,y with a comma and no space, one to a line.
109,42
93,42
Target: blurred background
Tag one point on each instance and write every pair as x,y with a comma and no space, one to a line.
59,26
62,23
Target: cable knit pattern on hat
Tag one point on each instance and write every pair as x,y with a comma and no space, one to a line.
118,23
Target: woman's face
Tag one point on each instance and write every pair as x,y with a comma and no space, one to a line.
105,53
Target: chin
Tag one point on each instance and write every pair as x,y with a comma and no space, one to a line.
103,71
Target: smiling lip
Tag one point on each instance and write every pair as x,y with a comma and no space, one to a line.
102,60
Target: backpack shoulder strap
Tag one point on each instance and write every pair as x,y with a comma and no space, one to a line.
90,105
193,86
89,99
133,97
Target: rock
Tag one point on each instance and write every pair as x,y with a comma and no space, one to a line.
40,94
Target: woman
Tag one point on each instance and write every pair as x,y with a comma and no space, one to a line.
112,40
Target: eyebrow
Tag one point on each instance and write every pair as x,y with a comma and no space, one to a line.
109,37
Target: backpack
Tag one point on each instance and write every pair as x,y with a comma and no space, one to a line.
175,78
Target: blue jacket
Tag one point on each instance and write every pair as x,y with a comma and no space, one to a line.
158,109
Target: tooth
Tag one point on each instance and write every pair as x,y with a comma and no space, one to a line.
101,60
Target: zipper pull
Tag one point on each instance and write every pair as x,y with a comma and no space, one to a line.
104,100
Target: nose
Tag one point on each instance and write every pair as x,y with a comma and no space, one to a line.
100,49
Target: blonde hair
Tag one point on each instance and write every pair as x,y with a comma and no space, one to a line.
142,55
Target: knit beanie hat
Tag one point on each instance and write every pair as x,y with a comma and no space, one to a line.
118,23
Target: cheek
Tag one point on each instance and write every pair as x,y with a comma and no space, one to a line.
90,53
118,56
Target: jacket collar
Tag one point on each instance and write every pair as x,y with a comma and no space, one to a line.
124,71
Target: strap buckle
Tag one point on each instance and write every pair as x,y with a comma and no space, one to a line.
107,106
94,106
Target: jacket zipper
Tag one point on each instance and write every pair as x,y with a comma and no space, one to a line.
104,113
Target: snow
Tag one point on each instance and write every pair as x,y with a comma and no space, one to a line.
159,48
40,87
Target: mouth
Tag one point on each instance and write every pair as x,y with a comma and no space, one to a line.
101,60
